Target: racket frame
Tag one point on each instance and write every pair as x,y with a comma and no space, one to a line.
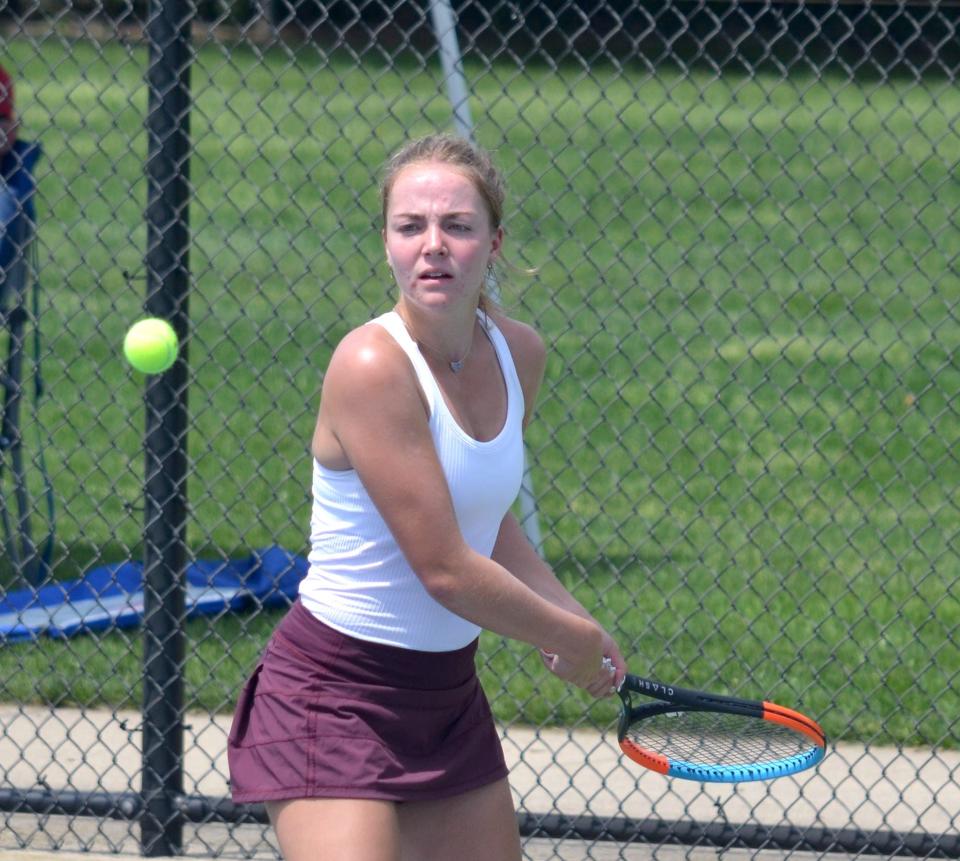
672,698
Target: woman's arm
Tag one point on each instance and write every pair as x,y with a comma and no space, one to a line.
512,549
515,553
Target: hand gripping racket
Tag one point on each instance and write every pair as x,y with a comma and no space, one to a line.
714,739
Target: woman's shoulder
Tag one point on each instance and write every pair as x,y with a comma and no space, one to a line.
529,355
526,344
368,354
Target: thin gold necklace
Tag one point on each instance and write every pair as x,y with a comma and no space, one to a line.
455,365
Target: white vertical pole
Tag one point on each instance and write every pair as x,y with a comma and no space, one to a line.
445,28
451,60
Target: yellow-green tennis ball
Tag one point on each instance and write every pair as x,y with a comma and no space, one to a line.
151,345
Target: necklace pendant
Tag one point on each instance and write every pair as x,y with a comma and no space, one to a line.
457,367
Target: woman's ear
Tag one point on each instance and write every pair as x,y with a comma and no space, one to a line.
497,242
386,251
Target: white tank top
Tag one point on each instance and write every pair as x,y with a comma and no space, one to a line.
358,580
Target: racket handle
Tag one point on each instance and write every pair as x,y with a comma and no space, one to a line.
608,665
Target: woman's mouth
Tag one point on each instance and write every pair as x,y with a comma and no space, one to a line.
435,275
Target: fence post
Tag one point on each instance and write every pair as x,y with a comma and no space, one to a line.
167,274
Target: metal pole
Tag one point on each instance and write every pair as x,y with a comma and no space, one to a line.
165,447
451,60
445,28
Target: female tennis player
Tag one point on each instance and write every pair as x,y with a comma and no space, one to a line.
363,727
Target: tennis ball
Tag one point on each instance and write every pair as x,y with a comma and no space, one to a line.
151,345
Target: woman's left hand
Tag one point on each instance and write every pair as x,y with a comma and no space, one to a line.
609,674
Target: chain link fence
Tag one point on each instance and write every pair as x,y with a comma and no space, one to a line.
744,223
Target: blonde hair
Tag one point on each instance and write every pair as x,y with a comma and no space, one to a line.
475,163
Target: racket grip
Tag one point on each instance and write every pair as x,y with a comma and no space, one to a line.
609,667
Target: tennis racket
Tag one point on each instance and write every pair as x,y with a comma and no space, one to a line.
711,738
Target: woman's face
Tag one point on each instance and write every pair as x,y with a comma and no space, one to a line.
437,235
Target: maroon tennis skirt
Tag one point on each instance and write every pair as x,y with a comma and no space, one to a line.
325,715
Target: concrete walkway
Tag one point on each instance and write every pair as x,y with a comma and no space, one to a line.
552,771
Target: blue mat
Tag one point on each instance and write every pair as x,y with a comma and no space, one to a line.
111,596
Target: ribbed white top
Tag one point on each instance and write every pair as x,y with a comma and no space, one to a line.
359,581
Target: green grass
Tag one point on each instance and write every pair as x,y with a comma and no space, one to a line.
745,449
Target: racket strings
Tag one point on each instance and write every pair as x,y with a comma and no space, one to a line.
710,738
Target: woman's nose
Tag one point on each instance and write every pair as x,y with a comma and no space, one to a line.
434,241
